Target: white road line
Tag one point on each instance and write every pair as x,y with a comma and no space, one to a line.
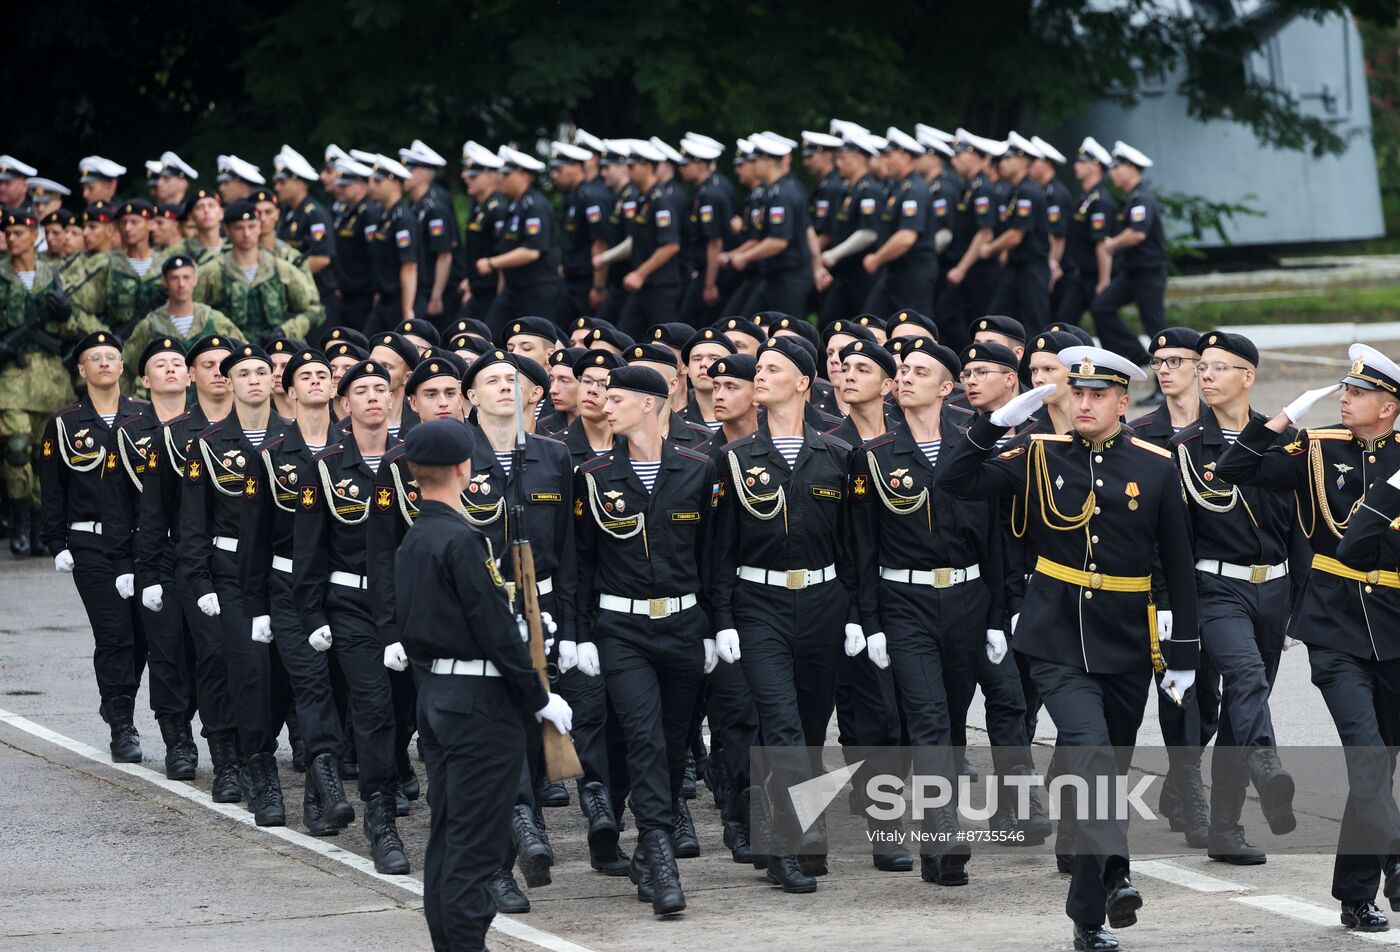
1311,912
232,811
1179,875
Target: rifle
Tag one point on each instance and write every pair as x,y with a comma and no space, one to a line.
560,759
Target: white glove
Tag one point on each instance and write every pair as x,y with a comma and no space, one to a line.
126,585
1394,479
996,645
711,659
547,626
63,562
1181,680
558,713
727,645
1295,410
1290,642
153,597
262,629
1020,409
855,639
209,604
320,639
942,238
568,656
547,622
1014,619
875,648
588,659
1164,626
394,658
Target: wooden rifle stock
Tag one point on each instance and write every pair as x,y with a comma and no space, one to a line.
560,759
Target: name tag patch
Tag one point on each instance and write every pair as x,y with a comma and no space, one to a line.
685,516
546,497
825,492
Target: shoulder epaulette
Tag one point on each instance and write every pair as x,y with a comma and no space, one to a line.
1188,433
839,443
595,463
68,409
690,454
1050,437
1150,447
741,441
329,451
881,440
1340,433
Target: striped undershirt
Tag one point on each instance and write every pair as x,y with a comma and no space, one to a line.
315,447
646,471
394,430
108,418
1003,440
504,460
373,462
789,446
249,272
712,424
930,450
255,437
183,324
1230,435
142,265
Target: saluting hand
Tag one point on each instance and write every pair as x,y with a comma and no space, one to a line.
1021,408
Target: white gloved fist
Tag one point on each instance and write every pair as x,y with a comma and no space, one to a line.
126,585
996,645
588,659
711,659
63,562
558,713
1014,619
153,597
209,604
855,639
394,657
1295,410
1164,626
1181,680
876,649
320,639
1020,409
1290,642
568,656
727,645
547,623
262,629
547,628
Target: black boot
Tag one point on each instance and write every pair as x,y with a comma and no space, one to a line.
760,824
948,868
506,891
126,742
736,838
349,759
385,846
36,543
179,765
19,529
223,752
1123,902
1094,938
667,899
603,854
1275,788
1036,828
551,794
265,791
1195,813
324,775
1391,889
639,871
409,784
401,804
313,816
1364,916
1168,803
535,856
785,871
887,846
811,855
297,744
688,781
684,842
1227,843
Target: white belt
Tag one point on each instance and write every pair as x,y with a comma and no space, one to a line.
281,563
651,607
1258,574
795,579
225,543
94,527
349,580
938,578
544,586
481,668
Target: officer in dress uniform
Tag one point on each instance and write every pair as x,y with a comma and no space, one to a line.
1345,614
306,226
1024,290
78,446
1087,264
1139,250
527,254
1102,500
458,629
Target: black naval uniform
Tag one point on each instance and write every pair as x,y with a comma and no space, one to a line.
485,227
784,280
473,700
656,222
908,280
308,228
960,304
531,289
1347,617
713,204
394,244
355,229
623,207
858,209
1094,218
1085,622
1024,291
438,234
586,210
1139,277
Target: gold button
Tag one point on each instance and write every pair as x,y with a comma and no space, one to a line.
1368,590
1097,510
1094,539
1098,482
1371,458
1088,594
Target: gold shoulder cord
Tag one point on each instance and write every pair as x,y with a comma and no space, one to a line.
407,509
332,496
88,461
123,440
747,499
1201,494
1318,489
1046,498
898,503
273,484
213,473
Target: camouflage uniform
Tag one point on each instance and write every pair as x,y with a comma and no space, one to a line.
281,297
196,249
287,253
158,324
125,296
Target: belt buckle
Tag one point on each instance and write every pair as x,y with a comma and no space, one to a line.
1373,576
1259,574
796,579
658,607
1096,581
943,578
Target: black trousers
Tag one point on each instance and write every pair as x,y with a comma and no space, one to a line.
307,669
355,641
249,663
385,315
733,730
170,656
1363,696
473,741
117,659
784,291
1146,289
588,698
961,304
908,287
737,303
1074,294
355,309
1242,631
1097,716
850,286
693,309
478,306
1024,293
403,690
574,301
212,694
650,305
536,300
1006,711
653,668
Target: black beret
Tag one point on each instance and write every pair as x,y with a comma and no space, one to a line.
302,358
672,335
1183,337
707,336
263,195
364,368
99,211
139,207
794,350
169,210
608,335
178,260
343,348
399,345
849,328
208,343
655,353
1049,342
495,355
639,379
992,354
939,352
597,357
420,328
470,325
59,216
241,210
1073,330
914,318
740,325
438,443
1237,344
347,334
805,344
868,320
566,357
472,343
241,354
998,324
585,323
284,345
532,369
766,319
95,339
863,348
18,218
800,326
435,363
741,366
161,345
193,196
531,326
